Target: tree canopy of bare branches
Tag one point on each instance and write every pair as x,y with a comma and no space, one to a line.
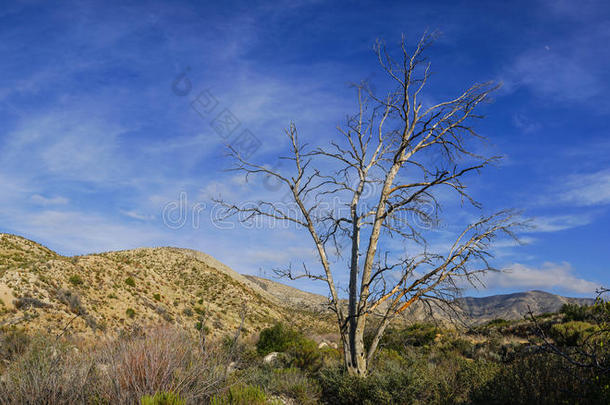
377,181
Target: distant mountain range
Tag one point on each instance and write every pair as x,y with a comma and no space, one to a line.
96,294
476,309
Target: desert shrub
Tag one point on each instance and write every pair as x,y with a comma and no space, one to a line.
574,312
130,281
416,335
498,322
29,302
449,378
331,357
241,395
48,374
387,359
305,355
75,279
277,338
543,378
162,360
417,377
462,346
157,296
291,382
13,343
339,388
130,312
572,333
249,356
294,383
72,300
162,398
202,328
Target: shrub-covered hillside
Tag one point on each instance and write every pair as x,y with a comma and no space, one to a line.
559,358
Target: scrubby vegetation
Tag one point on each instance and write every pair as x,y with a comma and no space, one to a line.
542,360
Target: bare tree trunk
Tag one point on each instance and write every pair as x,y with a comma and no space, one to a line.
356,358
353,364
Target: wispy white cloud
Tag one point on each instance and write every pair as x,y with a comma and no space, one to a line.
586,189
137,215
559,77
42,200
549,276
559,222
70,144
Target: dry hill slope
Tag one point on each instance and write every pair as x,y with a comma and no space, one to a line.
106,293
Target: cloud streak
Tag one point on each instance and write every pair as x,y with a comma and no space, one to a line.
549,276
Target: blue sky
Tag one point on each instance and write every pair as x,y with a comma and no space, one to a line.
98,136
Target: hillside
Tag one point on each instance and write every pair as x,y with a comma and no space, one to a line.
41,290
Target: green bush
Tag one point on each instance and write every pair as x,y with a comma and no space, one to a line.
295,384
157,296
543,378
163,398
75,279
399,339
277,338
572,333
451,378
304,354
130,312
130,281
339,388
418,377
574,312
498,322
291,383
461,346
241,395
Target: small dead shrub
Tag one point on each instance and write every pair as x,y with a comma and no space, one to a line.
162,360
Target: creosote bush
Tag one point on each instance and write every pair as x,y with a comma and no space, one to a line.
130,281
162,398
277,338
241,395
75,279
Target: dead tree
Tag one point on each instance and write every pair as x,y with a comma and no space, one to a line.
379,180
